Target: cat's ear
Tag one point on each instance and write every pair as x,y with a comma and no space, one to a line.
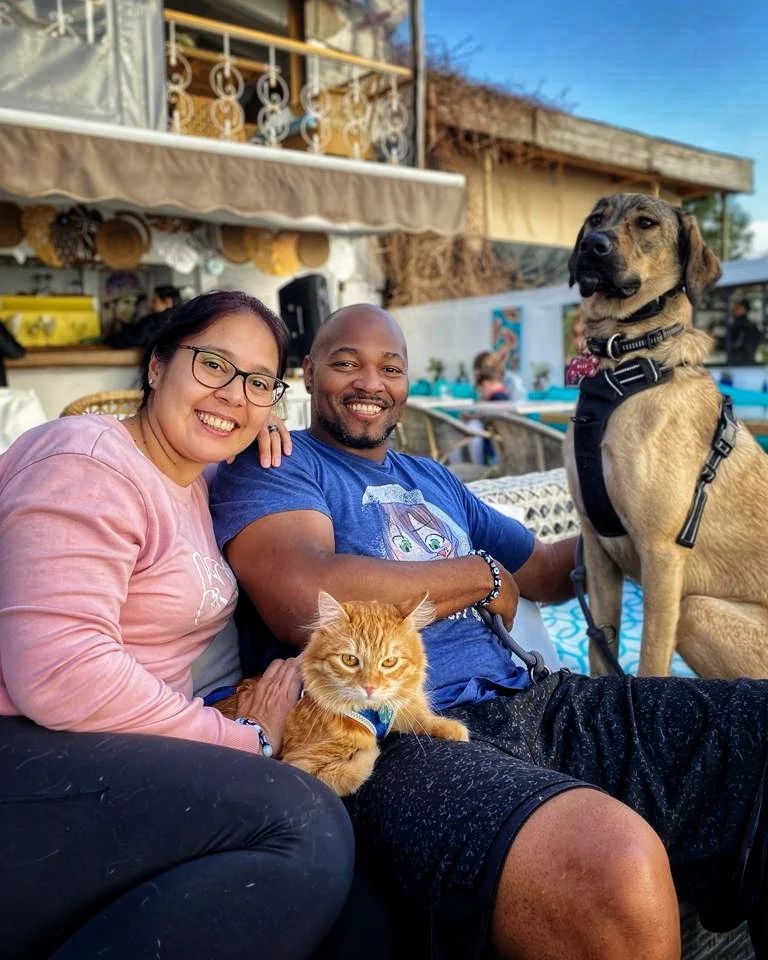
329,610
422,614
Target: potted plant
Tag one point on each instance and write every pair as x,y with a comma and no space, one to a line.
540,373
436,369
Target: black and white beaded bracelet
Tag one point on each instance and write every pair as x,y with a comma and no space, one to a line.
264,743
494,567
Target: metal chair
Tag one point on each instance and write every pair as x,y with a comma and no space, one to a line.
524,445
429,433
118,403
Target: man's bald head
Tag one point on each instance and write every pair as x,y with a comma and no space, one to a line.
355,318
357,375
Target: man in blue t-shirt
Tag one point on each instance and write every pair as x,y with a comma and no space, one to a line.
582,808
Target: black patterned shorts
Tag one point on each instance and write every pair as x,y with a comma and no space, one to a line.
437,818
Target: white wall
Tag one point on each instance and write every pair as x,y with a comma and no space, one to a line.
456,330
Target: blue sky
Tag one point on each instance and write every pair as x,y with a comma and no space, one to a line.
693,72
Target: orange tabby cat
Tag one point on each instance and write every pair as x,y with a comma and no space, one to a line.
360,657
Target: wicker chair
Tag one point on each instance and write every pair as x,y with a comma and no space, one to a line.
524,445
118,403
429,433
551,515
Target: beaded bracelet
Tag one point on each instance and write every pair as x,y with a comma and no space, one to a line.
266,746
496,588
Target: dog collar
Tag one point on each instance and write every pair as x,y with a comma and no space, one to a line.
615,346
652,308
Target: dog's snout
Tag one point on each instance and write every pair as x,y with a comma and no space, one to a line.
597,243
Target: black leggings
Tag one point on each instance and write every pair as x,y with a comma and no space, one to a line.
127,847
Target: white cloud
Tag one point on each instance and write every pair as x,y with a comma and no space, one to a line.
759,229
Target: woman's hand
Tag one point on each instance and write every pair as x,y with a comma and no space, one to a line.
269,698
274,440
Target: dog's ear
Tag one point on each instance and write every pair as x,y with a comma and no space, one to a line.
572,258
700,265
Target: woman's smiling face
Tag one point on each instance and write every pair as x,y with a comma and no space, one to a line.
195,425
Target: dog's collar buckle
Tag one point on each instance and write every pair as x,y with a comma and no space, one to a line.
654,338
613,346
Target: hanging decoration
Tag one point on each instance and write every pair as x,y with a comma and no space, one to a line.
73,234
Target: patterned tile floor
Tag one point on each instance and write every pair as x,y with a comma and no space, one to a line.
566,626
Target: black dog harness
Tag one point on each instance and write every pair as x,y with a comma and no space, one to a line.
598,398
600,395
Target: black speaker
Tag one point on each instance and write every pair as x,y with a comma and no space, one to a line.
303,305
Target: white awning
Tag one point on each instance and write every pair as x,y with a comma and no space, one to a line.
58,158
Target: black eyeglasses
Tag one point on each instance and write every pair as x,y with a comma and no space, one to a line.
211,370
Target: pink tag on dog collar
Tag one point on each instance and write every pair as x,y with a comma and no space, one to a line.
585,365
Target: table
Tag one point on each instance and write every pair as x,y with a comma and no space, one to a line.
479,409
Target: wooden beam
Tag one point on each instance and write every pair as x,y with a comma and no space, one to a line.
281,43
513,119
295,62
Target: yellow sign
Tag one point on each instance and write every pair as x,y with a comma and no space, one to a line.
50,321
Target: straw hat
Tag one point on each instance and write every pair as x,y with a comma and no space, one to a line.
285,257
11,231
120,243
258,245
313,249
273,253
232,243
36,222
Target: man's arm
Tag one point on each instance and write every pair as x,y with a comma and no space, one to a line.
283,560
545,576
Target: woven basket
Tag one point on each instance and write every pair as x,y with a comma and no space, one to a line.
118,244
118,403
258,245
36,222
285,257
232,243
313,249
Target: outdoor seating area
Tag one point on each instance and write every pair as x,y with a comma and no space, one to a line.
509,444
524,444
430,433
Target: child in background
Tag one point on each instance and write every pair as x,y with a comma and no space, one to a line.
490,386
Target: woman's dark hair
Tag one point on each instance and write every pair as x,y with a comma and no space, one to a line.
196,315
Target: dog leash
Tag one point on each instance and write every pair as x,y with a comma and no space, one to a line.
533,660
594,633
723,442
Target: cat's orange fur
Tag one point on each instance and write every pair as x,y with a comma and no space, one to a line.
318,737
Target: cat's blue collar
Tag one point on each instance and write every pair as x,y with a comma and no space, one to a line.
378,722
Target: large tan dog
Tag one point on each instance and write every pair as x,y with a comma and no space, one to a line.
640,263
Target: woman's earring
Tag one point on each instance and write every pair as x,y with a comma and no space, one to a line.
151,382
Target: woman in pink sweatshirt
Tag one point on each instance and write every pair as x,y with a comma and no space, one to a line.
135,821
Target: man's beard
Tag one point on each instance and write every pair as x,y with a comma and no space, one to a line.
337,431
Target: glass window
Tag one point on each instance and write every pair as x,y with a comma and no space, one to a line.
737,319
